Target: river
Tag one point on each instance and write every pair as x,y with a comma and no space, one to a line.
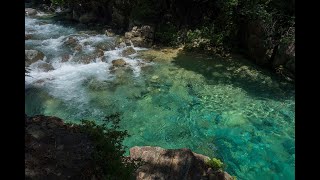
230,109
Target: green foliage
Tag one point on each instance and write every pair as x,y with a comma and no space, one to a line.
215,164
144,10
216,28
167,34
108,155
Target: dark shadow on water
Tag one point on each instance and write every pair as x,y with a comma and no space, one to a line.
238,72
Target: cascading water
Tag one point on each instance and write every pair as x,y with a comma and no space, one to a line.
232,110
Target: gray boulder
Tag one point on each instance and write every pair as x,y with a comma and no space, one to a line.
32,56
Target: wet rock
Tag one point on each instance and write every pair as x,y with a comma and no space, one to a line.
109,33
86,59
45,66
71,41
30,11
141,37
127,42
27,36
32,56
122,45
136,33
128,51
137,41
99,53
119,63
78,48
105,46
128,35
65,58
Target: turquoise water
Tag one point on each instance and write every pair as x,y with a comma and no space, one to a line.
229,109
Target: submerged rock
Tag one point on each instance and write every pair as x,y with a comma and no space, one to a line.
154,78
32,56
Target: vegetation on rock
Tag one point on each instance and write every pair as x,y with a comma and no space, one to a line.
108,155
215,163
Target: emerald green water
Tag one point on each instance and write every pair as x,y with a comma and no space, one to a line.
232,109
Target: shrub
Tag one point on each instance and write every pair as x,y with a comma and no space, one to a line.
215,164
108,155
167,34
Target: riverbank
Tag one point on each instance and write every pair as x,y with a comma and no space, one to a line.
55,150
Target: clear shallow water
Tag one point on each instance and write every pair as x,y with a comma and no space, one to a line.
231,110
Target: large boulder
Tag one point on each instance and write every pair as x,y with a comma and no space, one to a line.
140,37
138,41
32,56
174,164
30,11
128,35
54,150
147,32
